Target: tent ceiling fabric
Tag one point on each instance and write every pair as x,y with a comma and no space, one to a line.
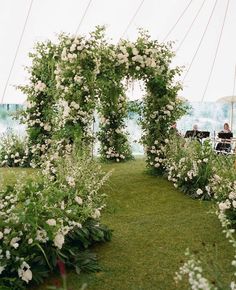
158,16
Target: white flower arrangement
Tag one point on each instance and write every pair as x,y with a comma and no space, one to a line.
51,212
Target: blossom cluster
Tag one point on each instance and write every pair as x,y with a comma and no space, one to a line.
192,267
223,184
189,165
158,116
39,110
52,210
13,150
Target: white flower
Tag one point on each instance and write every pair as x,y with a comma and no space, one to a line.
30,241
27,276
199,191
135,51
47,127
96,214
1,235
59,240
170,107
41,235
71,181
79,200
7,231
40,86
24,272
232,285
224,205
232,195
234,203
2,269
51,222
14,242
8,255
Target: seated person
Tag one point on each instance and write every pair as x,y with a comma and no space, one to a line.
225,136
193,133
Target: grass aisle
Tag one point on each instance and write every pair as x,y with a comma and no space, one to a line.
153,224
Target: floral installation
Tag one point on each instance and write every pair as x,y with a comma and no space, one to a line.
60,219
223,184
40,92
72,78
189,165
13,150
76,84
193,269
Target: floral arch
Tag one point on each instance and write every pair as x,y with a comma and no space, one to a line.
71,79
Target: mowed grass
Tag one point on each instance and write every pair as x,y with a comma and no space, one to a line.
153,225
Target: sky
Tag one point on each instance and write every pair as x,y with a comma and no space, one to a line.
50,17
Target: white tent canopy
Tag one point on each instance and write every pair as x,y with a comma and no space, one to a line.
123,17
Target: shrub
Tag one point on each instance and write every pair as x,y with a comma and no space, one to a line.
189,165
44,220
13,150
223,184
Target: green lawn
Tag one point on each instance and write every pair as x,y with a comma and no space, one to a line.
153,224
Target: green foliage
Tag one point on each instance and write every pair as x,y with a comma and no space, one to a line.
13,150
223,184
153,224
49,218
189,164
72,78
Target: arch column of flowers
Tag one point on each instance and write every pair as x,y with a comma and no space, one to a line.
114,144
40,99
77,91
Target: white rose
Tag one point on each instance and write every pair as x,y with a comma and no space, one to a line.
27,275
59,240
14,242
199,191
